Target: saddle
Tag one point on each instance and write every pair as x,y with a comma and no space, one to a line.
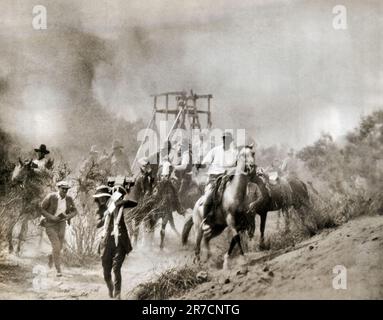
215,199
219,187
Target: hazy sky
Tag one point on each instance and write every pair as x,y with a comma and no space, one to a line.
276,68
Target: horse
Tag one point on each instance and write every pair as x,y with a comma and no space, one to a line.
291,192
31,186
230,211
143,189
164,202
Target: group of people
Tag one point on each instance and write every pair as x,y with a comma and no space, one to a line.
58,208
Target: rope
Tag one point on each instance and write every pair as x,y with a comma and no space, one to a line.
139,149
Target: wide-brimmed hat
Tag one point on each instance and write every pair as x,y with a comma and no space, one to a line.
142,162
42,149
129,199
63,184
102,191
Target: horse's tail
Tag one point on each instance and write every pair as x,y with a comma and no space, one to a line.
186,230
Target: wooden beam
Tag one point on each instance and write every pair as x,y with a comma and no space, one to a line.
167,106
169,111
209,113
174,93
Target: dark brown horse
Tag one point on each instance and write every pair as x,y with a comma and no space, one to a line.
143,189
289,193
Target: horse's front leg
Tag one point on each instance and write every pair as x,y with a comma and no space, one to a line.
165,220
198,239
135,229
172,225
10,237
23,232
227,255
262,230
286,215
206,241
149,223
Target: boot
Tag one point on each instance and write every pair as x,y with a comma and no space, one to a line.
117,295
109,284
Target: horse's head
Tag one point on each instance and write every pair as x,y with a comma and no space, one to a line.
22,171
166,170
146,170
246,159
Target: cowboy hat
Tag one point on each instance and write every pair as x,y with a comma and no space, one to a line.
143,161
102,191
42,149
63,184
129,201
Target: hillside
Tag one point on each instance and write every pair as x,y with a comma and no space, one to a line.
307,272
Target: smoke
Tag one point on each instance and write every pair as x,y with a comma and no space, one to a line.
47,84
275,68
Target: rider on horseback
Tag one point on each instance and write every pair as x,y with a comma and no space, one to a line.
221,160
41,164
183,166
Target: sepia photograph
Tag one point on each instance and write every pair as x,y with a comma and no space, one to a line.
198,150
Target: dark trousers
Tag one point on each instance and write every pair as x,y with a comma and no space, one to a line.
209,197
112,260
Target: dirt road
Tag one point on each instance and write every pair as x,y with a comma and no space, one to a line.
28,277
303,273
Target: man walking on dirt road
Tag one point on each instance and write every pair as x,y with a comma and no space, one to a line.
115,243
57,208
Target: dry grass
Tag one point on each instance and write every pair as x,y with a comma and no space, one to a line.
82,239
171,283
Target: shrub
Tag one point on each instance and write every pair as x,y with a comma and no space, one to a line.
171,283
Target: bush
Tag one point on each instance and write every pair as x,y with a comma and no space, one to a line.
172,283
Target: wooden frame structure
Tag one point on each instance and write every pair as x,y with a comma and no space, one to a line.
187,108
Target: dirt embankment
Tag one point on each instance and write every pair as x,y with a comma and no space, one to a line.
307,272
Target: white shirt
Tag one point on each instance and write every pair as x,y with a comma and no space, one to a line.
40,164
61,205
220,159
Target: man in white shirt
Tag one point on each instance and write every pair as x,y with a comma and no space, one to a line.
221,160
